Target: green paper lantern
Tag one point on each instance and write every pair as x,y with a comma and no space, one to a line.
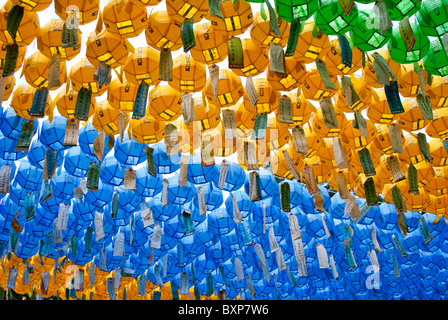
331,19
436,61
433,17
397,47
366,35
290,10
398,9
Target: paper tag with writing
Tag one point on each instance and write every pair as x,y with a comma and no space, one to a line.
293,38
327,232
71,133
207,151
10,61
362,124
382,16
285,197
156,239
424,103
250,155
165,65
62,219
93,176
146,214
322,256
277,58
5,178
121,123
98,222
382,70
339,154
308,174
285,109
393,97
395,137
188,111
290,164
299,139
140,101
366,162
424,230
251,91
323,72
224,168
237,217
413,180
407,34
424,147
98,145
333,267
395,169
294,227
236,56
272,241
229,124
187,35
183,170
82,106
328,113
254,186
299,252
164,192
201,201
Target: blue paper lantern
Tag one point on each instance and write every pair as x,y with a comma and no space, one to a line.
52,134
162,213
235,178
8,151
12,124
76,162
129,152
164,163
86,137
178,194
111,171
147,185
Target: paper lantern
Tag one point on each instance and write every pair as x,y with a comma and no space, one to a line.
66,103
206,117
147,130
267,97
190,9
81,76
37,5
142,65
105,118
438,185
124,18
211,45
52,133
382,140
27,30
387,190
86,11
366,33
314,88
437,127
353,138
425,172
383,172
10,82
221,146
296,9
412,118
261,34
278,162
318,124
165,103
49,41
301,110
291,79
311,47
235,22
436,53
255,58
22,101
331,19
398,9
437,204
326,153
352,177
368,72
107,48
411,151
189,139
230,89
432,17
163,31
121,95
364,92
398,50
438,153
188,75
36,71
379,111
408,81
333,57
438,93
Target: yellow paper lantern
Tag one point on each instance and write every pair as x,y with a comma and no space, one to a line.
383,172
34,5
260,31
86,11
230,89
124,18
353,138
438,93
438,185
314,88
437,205
20,57
188,75
368,72
438,127
142,65
379,111
256,59
66,102
267,97
326,153
412,118
188,139
310,48
352,177
122,95
105,118
318,123
278,162
106,47
22,100
244,119
292,79
408,81
321,172
411,151
221,146
387,190
49,41
206,116
35,70
187,9
425,173
415,202
301,110
235,22
364,92
438,153
28,27
81,76
332,58
382,140
163,31
211,45
165,103
10,82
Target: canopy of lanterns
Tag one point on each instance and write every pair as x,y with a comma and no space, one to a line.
280,150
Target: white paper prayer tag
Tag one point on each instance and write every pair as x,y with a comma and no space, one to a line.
146,214
214,79
183,170
327,232
71,132
188,111
251,91
201,201
290,164
375,241
223,174
395,137
121,123
62,219
294,227
272,241
229,124
156,239
164,192
322,256
130,182
237,217
299,139
339,154
99,230
333,267
5,176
